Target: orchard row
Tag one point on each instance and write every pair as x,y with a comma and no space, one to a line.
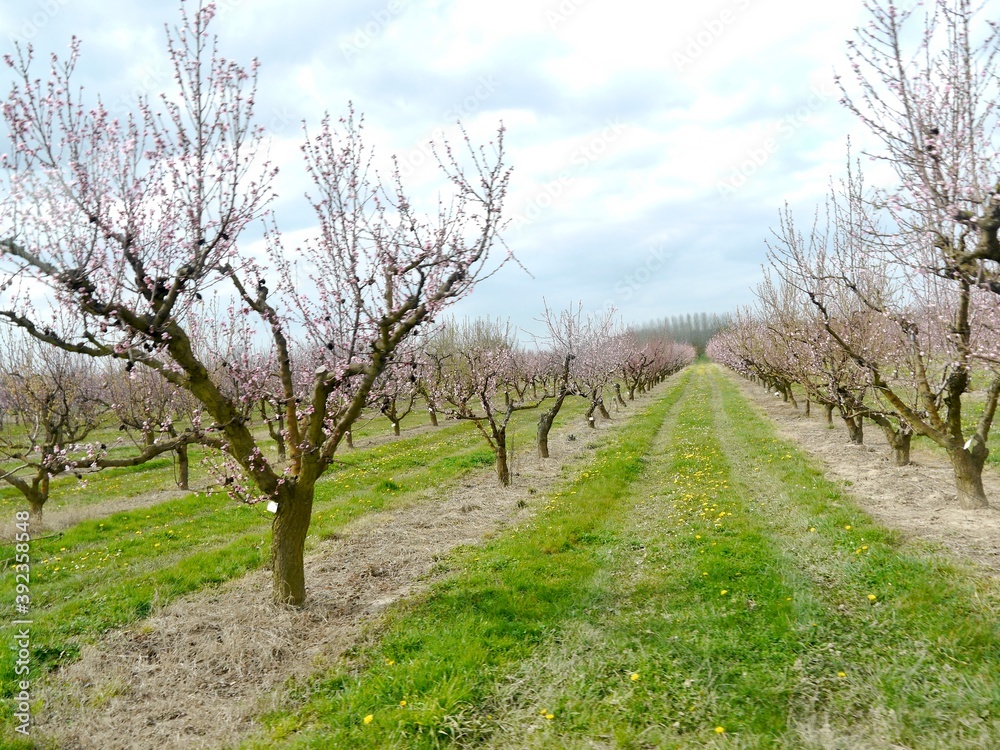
887,307
59,411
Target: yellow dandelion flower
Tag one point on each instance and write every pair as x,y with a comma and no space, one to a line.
723,592
402,703
369,718
841,674
848,527
872,597
550,716
720,730
635,676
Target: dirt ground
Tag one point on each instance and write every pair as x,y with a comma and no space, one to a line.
199,671
919,500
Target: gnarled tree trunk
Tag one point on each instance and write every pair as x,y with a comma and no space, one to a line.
36,501
618,395
899,438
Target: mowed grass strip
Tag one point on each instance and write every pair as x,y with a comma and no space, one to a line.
108,572
706,588
430,677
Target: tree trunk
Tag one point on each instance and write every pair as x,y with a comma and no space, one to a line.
968,468
603,411
828,408
36,501
899,438
503,468
183,467
37,493
618,395
288,541
855,429
901,448
433,415
807,407
545,424
395,429
279,442
349,439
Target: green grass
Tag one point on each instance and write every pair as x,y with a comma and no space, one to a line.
700,584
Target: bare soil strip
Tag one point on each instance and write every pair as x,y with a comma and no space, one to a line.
919,500
199,671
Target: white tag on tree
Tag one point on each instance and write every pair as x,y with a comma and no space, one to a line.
272,507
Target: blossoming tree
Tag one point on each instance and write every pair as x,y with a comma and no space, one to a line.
479,382
127,223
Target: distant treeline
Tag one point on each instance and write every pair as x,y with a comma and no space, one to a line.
695,329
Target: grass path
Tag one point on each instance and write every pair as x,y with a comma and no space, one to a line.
699,584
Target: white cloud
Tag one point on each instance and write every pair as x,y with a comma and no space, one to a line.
699,88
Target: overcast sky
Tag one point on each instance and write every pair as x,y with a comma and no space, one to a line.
653,143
